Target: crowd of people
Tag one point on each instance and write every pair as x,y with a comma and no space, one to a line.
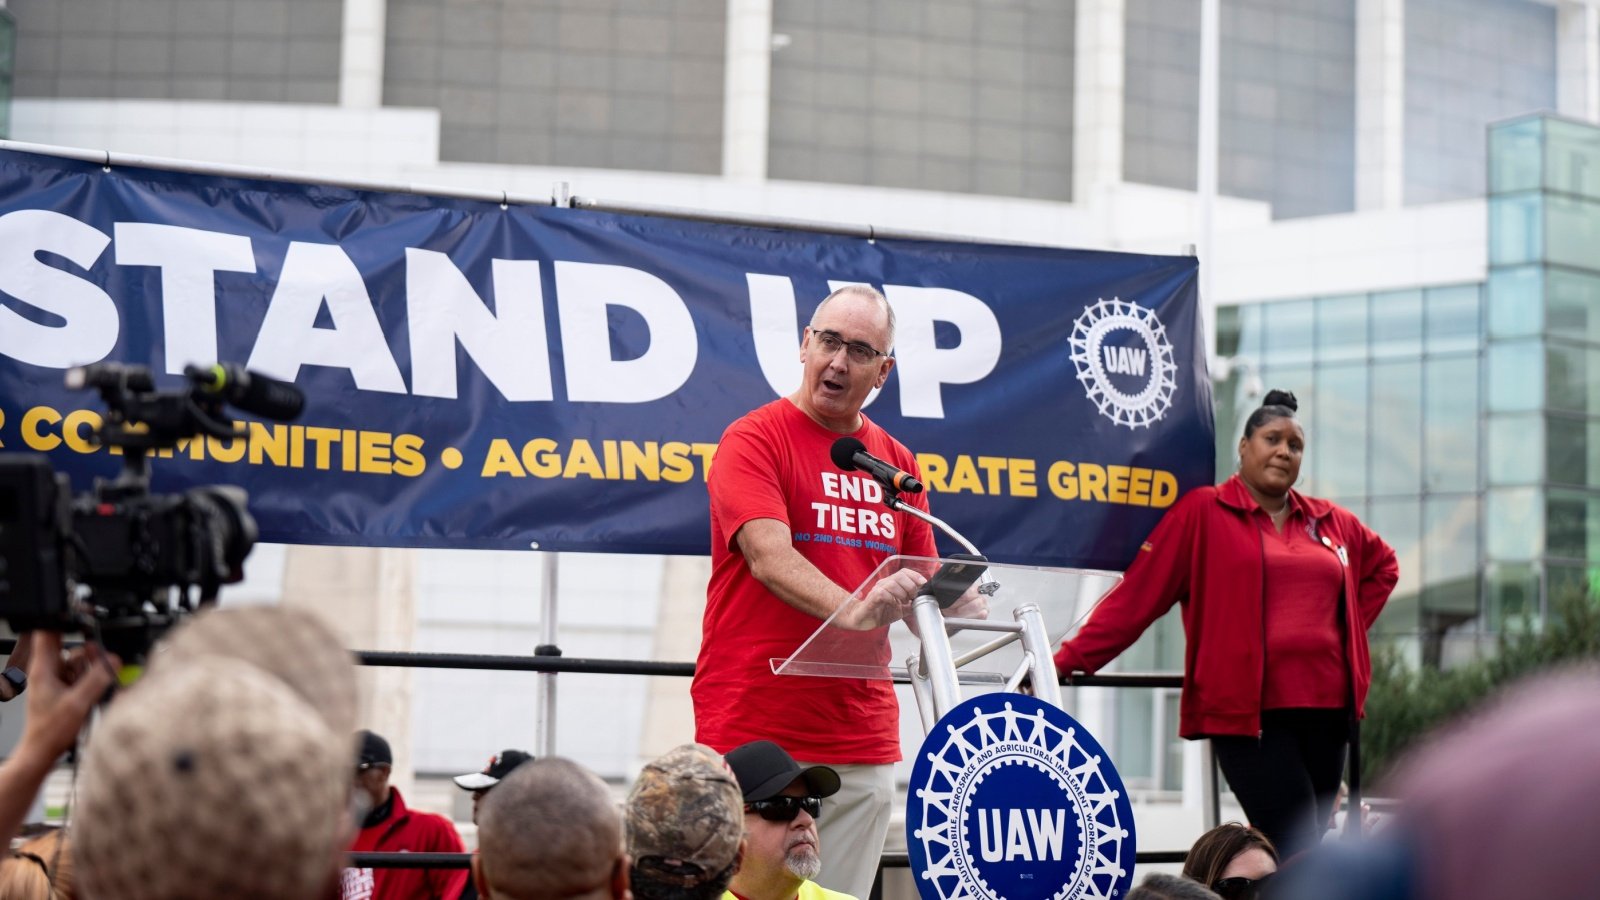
234,767
229,770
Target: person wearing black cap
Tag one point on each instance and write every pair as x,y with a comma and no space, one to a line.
391,827
479,783
782,802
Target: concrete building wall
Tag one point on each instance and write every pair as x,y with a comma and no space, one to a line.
273,50
953,95
1286,104
611,83
1469,63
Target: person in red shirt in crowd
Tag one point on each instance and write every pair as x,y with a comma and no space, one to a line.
791,537
390,827
1278,590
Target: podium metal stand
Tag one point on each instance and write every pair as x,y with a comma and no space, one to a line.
944,652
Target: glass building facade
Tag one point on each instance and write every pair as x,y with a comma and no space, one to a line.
1388,385
1461,421
1542,361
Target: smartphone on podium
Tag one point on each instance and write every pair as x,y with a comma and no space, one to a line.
953,578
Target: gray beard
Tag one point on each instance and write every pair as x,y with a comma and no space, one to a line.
803,864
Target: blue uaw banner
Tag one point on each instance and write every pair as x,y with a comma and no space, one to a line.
490,376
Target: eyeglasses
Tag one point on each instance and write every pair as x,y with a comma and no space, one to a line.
1240,888
785,809
859,353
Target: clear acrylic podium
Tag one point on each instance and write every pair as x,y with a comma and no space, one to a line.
1030,609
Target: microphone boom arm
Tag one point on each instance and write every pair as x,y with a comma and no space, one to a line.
934,681
893,501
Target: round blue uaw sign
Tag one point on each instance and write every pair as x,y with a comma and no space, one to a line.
1011,799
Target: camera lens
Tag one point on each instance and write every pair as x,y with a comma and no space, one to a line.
222,516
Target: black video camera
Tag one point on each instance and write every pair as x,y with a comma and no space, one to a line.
118,562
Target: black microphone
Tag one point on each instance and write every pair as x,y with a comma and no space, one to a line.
110,375
252,392
850,454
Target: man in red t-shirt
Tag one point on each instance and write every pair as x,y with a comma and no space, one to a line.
791,537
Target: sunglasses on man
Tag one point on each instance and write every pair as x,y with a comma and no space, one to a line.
785,809
1240,888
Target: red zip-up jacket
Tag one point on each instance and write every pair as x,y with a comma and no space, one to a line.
1206,553
416,832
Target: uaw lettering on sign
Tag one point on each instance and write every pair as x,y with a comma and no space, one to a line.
1124,360
1015,834
1011,799
587,362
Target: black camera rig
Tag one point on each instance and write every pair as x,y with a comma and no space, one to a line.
118,562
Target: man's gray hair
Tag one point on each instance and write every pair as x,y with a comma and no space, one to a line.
549,829
860,290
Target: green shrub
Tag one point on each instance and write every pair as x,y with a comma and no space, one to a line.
1404,703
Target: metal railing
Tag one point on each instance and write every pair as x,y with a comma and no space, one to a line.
572,665
581,666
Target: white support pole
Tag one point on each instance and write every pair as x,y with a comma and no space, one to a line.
1036,640
1206,152
746,92
1210,787
545,709
1206,187
1578,60
1591,59
1380,103
361,54
922,690
1099,83
937,661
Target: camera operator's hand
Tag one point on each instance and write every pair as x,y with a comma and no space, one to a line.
14,679
62,690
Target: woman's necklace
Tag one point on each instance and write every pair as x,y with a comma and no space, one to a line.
1278,515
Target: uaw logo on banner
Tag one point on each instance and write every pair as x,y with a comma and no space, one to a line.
1011,799
1124,361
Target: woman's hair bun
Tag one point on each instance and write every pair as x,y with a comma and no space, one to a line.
1281,398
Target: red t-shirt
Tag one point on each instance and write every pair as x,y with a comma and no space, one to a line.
774,463
1305,658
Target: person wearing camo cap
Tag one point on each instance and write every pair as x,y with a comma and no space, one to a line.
685,826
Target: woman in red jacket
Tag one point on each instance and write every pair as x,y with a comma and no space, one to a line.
1278,590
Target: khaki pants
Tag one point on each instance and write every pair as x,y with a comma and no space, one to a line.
853,826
